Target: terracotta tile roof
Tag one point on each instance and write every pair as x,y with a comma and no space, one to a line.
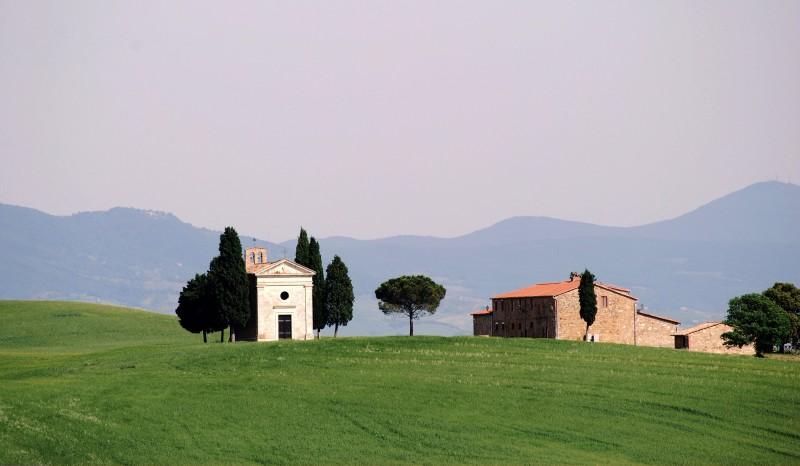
541,290
697,328
481,312
557,288
665,319
615,287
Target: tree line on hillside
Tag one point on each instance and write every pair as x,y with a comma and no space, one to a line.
220,298
766,320
333,290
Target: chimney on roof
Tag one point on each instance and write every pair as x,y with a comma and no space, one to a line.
573,276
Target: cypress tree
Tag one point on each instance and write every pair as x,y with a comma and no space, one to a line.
338,295
301,251
588,300
320,317
194,307
229,285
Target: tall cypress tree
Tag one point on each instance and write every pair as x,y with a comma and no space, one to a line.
588,300
228,282
301,251
320,317
338,295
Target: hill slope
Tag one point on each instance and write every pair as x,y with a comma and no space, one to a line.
90,384
688,267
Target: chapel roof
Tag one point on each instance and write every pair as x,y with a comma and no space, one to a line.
271,268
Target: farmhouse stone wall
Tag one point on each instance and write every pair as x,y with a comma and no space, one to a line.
652,331
709,340
524,317
614,322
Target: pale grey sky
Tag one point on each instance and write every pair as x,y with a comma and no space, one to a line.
373,118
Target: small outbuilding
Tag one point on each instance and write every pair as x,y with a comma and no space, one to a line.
707,338
482,322
655,330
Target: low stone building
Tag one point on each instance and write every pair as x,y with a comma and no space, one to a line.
482,322
552,310
653,330
707,338
280,299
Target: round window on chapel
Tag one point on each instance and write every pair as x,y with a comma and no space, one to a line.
284,295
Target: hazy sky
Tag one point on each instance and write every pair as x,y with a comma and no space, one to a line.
375,118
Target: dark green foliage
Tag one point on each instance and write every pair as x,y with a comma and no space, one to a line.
787,296
195,308
228,281
411,295
338,295
301,251
588,300
315,259
756,319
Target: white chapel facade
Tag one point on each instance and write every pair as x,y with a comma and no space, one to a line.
280,299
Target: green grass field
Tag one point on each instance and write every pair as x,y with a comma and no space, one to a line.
82,383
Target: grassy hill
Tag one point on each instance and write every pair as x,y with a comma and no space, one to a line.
82,383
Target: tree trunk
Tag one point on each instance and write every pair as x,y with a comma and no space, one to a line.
222,336
410,324
231,336
317,334
586,333
335,330
205,338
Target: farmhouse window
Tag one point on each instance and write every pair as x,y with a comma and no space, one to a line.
604,301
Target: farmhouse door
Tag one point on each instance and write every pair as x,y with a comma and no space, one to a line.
541,328
284,327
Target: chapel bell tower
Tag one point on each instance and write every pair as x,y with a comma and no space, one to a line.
254,257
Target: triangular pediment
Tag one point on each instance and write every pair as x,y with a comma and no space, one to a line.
284,267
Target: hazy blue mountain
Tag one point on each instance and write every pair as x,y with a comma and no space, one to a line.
124,256
687,267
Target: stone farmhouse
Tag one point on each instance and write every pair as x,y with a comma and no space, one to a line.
707,337
280,299
552,310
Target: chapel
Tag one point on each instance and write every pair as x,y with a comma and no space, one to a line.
280,299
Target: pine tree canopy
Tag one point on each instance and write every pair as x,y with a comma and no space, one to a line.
411,295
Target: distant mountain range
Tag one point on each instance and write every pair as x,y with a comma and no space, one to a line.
687,267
